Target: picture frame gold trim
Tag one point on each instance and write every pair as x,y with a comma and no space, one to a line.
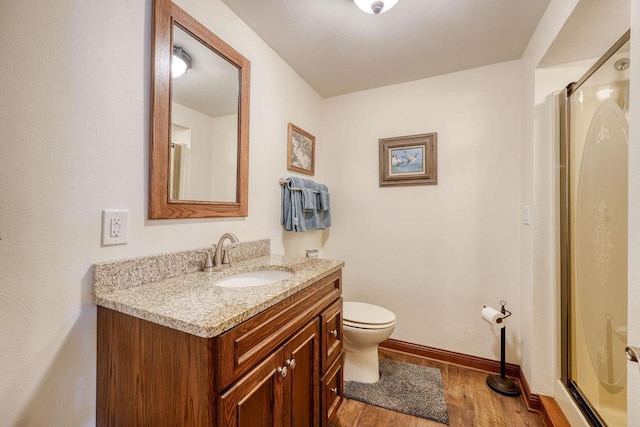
409,160
301,150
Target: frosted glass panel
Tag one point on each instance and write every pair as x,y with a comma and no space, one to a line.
598,223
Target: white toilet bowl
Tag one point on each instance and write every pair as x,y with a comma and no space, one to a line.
364,327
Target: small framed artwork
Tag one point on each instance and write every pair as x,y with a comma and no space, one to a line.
409,160
301,150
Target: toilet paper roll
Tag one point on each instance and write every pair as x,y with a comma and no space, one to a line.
493,317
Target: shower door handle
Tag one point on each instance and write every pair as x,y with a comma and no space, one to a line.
633,354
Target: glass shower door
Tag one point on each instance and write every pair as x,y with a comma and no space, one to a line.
595,218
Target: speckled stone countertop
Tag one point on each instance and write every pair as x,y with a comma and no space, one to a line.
194,304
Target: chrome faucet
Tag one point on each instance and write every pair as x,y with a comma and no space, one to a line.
221,256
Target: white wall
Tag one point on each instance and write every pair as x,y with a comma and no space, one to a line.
74,123
537,274
432,254
200,152
545,267
224,157
212,153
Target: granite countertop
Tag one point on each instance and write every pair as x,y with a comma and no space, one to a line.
193,304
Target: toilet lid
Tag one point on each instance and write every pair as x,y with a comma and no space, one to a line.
360,313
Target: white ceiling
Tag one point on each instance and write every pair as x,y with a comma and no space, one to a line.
593,27
338,49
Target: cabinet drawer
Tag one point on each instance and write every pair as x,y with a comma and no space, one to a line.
245,345
332,391
330,334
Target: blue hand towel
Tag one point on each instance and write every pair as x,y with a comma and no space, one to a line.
293,215
308,199
286,209
325,209
323,199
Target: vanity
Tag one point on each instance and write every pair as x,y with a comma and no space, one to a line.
176,349
177,346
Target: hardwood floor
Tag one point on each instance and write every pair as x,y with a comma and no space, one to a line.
469,402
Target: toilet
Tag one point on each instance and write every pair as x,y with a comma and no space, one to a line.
364,327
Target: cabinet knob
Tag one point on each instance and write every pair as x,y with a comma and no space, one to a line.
334,390
282,371
291,363
334,332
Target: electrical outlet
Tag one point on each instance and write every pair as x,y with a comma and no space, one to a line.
114,227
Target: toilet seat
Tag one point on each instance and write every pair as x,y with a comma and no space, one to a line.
367,326
366,316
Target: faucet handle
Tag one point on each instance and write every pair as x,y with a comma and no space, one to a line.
225,251
208,260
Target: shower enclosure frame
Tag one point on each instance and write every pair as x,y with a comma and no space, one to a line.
565,234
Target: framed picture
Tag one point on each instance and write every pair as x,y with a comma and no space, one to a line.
409,160
301,150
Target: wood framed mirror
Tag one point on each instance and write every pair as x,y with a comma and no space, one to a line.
199,135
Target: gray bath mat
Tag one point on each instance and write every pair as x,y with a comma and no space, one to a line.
404,387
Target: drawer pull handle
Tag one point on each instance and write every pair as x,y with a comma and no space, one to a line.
282,371
334,390
334,332
291,363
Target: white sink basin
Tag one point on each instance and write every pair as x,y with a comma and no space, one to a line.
253,278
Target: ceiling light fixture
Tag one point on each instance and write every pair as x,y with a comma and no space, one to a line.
180,62
375,7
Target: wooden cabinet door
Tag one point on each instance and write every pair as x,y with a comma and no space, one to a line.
257,399
302,354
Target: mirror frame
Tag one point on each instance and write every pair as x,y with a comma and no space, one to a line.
165,15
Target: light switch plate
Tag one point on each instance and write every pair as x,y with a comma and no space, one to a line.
114,227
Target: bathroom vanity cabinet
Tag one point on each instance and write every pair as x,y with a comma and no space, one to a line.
281,367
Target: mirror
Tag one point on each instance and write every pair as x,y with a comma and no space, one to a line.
198,160
204,124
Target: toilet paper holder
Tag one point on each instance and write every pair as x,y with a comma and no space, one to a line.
503,310
500,383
